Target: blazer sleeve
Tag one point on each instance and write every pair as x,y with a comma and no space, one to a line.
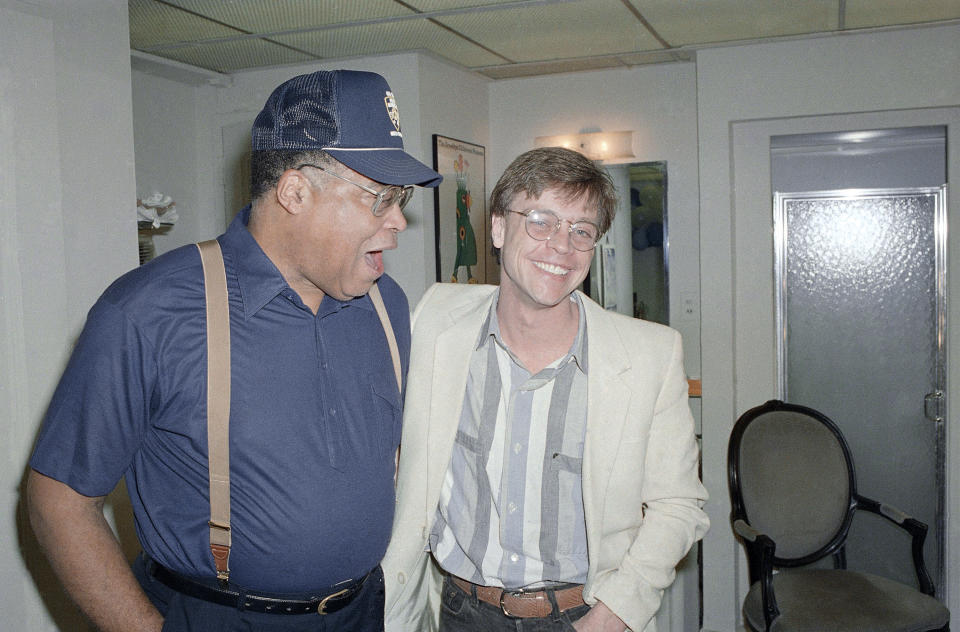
672,519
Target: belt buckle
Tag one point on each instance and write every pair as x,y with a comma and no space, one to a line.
503,606
321,609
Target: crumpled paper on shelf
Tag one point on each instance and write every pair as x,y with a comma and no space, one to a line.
157,209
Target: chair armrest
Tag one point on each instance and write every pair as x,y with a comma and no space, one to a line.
745,531
760,551
916,529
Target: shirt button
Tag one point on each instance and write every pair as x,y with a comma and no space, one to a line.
514,557
512,507
333,411
401,578
517,448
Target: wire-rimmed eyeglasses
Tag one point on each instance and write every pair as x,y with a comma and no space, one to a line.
386,197
542,224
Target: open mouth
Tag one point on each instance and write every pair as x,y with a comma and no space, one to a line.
549,268
374,259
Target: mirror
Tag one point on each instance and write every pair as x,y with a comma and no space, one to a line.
629,270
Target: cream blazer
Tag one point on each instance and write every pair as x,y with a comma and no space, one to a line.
641,493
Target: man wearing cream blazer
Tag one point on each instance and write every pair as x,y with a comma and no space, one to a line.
615,500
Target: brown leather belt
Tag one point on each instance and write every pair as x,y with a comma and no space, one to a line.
524,604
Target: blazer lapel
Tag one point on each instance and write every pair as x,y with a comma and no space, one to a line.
608,400
452,350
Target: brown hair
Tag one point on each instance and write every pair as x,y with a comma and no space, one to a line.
565,170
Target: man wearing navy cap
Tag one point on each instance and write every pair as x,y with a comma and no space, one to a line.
314,399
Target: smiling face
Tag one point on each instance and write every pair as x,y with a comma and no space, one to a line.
341,244
541,274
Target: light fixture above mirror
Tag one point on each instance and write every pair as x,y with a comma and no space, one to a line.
603,146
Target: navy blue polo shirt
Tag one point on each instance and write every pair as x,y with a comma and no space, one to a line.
314,422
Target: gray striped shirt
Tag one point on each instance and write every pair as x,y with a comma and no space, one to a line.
511,506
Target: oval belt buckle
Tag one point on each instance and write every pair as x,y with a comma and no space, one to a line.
322,608
503,606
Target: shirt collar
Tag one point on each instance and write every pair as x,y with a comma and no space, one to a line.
258,278
578,350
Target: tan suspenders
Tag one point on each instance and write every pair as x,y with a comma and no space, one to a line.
218,403
388,330
218,395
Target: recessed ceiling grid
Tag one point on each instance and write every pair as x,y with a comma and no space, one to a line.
498,38
230,36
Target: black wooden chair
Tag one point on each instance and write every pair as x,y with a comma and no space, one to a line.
794,494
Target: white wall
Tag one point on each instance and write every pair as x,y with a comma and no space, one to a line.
67,228
165,138
795,84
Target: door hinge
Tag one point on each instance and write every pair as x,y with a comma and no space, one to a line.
933,406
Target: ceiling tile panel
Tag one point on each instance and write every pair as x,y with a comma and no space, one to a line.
556,31
236,55
152,23
401,36
268,16
690,22
871,13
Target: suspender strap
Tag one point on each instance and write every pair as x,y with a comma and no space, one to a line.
394,355
218,403
388,330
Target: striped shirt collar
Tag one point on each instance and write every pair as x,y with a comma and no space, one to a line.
491,329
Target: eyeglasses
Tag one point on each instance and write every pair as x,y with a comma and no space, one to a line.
386,197
544,224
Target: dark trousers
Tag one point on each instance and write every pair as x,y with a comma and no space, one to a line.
187,614
462,612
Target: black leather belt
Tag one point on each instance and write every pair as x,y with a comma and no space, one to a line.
339,597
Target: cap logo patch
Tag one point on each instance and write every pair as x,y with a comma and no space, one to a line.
391,104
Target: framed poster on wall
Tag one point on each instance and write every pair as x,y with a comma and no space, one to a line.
462,223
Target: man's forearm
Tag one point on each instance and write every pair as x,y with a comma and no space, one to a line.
87,557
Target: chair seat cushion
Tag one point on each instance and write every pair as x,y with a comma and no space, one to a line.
841,601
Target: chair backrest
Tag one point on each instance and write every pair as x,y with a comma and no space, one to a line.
791,477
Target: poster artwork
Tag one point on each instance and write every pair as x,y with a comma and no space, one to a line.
462,224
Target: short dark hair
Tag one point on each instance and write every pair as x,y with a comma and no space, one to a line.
568,171
267,165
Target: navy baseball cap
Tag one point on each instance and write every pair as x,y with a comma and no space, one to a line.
351,115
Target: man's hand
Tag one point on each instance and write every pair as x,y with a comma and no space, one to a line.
600,619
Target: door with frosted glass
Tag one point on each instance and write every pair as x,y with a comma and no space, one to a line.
860,283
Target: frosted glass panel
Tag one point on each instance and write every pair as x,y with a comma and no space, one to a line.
859,298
